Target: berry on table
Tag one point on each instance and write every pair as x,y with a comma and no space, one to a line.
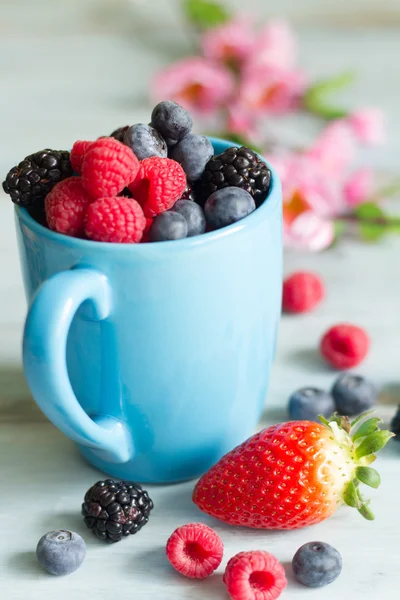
119,133
254,575
192,152
167,226
35,176
239,167
118,219
344,346
171,120
66,206
195,550
77,154
159,183
306,404
316,564
302,292
145,141
61,552
395,424
227,206
194,215
116,509
293,474
108,166
353,394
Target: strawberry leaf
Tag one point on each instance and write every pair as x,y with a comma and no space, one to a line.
364,508
351,496
205,14
372,443
361,417
368,476
369,426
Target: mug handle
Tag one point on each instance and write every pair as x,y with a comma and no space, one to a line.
44,356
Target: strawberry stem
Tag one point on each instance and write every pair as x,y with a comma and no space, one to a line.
365,439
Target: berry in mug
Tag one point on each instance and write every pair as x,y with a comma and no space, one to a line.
119,188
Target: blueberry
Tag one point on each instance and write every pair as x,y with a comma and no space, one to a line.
169,225
193,153
307,403
145,141
61,552
316,564
395,424
194,215
228,205
171,120
353,394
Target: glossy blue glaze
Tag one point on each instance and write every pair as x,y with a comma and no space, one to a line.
154,358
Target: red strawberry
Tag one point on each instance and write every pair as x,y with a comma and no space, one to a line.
293,474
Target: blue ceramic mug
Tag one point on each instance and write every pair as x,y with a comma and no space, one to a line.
154,358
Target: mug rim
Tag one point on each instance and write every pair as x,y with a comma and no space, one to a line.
248,223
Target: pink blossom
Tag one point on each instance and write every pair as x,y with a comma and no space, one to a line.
276,45
335,148
309,231
301,175
266,89
241,121
196,83
368,125
359,187
232,42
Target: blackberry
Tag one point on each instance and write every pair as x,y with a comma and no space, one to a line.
34,177
188,193
113,509
119,133
238,167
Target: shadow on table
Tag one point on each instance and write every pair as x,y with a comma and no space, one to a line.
16,402
25,565
308,359
155,562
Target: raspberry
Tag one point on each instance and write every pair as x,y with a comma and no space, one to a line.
66,207
149,223
108,166
119,220
344,346
195,550
254,575
302,292
78,151
158,185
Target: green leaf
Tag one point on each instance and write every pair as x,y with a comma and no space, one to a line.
364,508
360,417
369,211
366,512
205,14
350,496
323,420
369,426
369,476
372,443
372,232
316,97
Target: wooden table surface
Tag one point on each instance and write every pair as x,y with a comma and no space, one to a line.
57,88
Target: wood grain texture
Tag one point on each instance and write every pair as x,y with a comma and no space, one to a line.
84,85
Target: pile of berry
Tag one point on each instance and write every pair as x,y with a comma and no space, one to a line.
143,183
